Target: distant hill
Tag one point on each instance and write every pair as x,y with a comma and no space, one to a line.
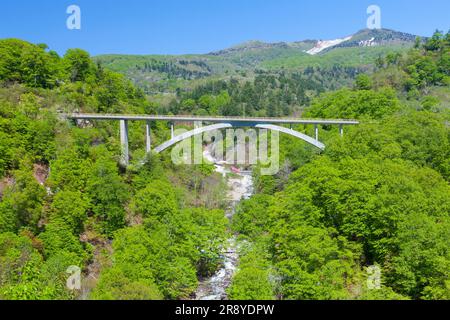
165,73
318,52
363,38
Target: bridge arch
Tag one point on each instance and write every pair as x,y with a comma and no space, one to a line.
294,133
190,134
220,126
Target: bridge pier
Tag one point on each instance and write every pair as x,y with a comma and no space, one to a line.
148,137
316,129
125,160
172,131
341,130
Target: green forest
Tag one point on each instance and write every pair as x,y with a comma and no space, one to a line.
379,196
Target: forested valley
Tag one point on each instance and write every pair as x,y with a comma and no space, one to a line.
379,196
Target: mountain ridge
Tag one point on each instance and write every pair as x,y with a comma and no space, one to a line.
380,36
166,73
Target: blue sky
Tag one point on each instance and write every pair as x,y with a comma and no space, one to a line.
201,26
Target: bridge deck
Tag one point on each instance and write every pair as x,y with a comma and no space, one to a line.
212,119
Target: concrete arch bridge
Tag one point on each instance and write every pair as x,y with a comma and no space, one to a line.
211,124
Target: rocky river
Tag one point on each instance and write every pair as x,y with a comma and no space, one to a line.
240,186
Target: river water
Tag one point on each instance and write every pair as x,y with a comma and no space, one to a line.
240,186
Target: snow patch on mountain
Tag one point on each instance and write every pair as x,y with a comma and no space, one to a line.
322,45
